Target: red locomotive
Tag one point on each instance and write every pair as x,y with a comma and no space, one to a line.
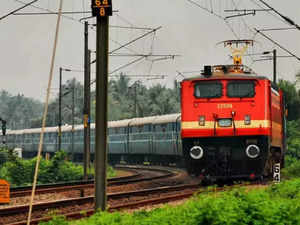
232,123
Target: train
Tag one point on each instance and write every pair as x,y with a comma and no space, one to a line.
232,124
153,139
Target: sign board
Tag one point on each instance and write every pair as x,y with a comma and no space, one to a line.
101,8
276,175
4,192
85,120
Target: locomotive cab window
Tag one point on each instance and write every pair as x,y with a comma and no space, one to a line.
208,90
241,89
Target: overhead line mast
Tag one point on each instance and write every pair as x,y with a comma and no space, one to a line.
102,9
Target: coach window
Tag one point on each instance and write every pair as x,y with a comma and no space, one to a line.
208,90
140,128
163,127
241,89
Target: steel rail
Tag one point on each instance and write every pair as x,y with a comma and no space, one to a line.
81,185
189,189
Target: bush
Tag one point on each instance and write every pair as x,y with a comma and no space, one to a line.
292,171
279,204
6,155
20,172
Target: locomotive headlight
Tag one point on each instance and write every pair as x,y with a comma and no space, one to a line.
252,151
201,120
247,120
196,152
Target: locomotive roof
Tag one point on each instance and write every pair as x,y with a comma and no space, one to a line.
220,72
228,77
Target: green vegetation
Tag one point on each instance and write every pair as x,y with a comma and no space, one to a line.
6,155
278,204
126,99
20,172
292,156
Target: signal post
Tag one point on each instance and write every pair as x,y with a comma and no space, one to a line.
102,9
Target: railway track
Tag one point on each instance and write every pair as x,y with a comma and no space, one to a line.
156,176
74,208
137,176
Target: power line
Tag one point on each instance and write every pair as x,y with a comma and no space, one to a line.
53,13
140,75
288,20
246,12
132,41
269,12
276,43
71,18
276,29
18,9
127,64
217,15
205,9
47,10
145,55
49,13
132,27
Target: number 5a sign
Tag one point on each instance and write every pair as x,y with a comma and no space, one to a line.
101,8
276,175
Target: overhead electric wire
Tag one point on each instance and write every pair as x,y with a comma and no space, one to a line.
122,67
204,8
48,10
288,20
54,13
217,15
276,43
18,9
71,18
50,13
127,64
145,55
275,29
269,12
124,20
132,27
132,41
246,25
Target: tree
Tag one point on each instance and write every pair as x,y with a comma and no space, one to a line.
292,99
18,110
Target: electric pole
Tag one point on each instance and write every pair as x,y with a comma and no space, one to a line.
59,106
86,110
101,9
274,65
73,105
3,130
135,100
59,110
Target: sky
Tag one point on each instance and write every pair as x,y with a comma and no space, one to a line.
188,30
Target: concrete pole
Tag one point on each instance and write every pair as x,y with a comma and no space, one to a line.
101,112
